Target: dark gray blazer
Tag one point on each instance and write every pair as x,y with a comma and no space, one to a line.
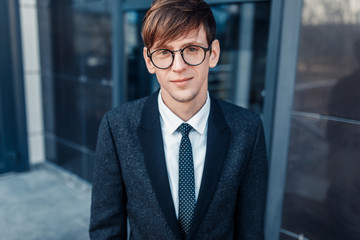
131,181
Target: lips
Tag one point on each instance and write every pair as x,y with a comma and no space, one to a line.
183,80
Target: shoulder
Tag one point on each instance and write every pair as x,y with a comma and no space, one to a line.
128,114
130,108
236,115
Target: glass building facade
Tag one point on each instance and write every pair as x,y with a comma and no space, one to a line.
76,62
322,192
76,56
83,72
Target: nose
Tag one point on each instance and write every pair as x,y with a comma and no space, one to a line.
179,63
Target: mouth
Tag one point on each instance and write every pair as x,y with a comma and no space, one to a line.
181,81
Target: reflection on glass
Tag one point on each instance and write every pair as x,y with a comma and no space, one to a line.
327,53
322,186
139,82
82,39
70,158
242,30
323,178
344,98
76,56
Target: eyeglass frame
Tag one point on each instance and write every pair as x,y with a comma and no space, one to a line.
181,50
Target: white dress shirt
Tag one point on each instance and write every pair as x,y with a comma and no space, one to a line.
198,138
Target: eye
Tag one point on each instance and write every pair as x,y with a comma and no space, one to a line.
162,53
192,50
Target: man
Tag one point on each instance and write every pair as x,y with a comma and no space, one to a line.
179,164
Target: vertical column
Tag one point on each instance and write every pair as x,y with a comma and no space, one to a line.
286,60
32,78
13,133
246,32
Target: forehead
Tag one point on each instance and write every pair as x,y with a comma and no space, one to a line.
197,37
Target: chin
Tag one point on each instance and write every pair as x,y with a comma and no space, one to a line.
184,99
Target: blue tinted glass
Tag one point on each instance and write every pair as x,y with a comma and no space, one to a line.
139,82
81,39
242,30
76,62
322,191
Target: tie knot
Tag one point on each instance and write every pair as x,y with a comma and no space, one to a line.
184,128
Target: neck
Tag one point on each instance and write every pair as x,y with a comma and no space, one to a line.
185,110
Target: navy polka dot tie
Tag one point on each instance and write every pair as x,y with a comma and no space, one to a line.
186,180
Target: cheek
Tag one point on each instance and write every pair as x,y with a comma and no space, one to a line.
161,77
203,73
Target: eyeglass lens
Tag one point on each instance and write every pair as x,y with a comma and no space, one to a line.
192,55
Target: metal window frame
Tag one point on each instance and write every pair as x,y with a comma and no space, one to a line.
280,82
118,58
14,140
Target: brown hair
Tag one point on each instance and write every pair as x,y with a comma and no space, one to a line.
167,20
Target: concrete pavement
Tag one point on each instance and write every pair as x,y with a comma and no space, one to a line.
45,203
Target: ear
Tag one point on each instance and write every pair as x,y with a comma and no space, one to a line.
148,62
214,53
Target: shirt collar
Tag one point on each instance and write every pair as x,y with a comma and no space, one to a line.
172,121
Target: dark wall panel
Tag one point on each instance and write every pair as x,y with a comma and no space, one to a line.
76,61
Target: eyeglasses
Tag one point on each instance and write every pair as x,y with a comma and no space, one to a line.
192,55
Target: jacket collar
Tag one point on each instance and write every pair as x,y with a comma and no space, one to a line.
150,136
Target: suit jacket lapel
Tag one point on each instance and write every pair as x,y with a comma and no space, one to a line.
216,149
150,136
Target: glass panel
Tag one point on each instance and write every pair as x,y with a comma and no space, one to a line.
323,181
329,59
97,101
78,110
81,39
323,177
242,30
76,57
70,157
139,82
69,110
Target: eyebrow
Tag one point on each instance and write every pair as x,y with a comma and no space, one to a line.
182,46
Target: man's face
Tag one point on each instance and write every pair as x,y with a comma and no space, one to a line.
182,83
